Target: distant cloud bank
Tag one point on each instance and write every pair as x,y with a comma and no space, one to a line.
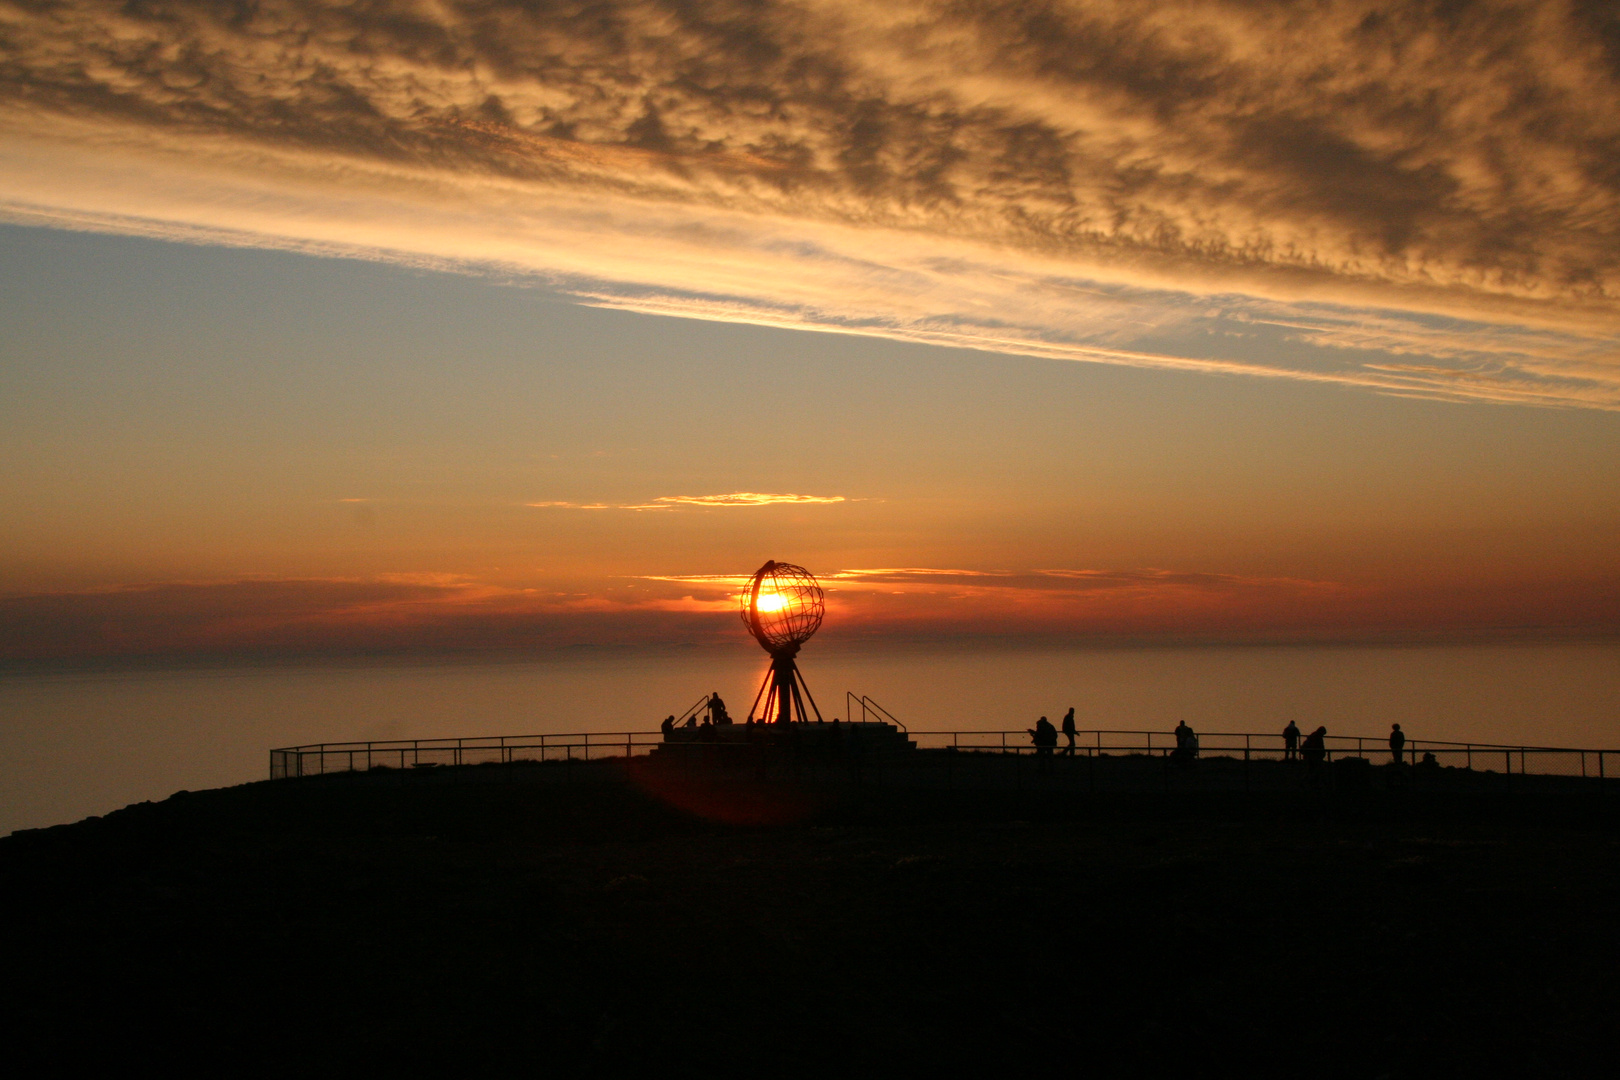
673,502
1415,197
438,614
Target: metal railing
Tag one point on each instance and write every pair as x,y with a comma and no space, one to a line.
318,758
1256,746
868,707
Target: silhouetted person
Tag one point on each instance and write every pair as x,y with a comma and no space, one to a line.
691,721
1429,762
1044,735
668,725
1068,730
1186,744
1290,741
717,709
1397,743
1314,749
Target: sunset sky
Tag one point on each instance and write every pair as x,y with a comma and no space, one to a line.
435,326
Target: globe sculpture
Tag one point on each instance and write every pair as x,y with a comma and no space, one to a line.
782,606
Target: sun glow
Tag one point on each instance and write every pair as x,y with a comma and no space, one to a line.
769,602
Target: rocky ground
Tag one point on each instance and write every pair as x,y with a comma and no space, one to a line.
575,922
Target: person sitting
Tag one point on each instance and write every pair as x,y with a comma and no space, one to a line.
1186,744
668,725
1314,748
1044,736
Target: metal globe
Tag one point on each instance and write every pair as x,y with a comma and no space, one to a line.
782,606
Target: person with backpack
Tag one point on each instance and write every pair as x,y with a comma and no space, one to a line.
1314,749
1044,736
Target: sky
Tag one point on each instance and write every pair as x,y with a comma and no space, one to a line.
432,327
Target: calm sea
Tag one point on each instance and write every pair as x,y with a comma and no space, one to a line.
72,745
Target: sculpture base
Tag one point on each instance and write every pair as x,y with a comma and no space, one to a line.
859,738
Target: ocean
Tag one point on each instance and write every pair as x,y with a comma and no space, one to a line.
73,744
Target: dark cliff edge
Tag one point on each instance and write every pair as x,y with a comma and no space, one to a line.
582,920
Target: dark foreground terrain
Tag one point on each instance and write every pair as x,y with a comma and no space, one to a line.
543,921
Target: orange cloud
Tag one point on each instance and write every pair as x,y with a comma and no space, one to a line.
447,614
1376,195
671,502
749,498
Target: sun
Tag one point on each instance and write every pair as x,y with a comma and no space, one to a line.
773,601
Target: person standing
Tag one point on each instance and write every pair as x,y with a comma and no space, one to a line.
1290,741
1397,743
1068,730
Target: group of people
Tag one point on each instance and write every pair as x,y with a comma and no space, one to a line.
1312,749
1045,736
703,720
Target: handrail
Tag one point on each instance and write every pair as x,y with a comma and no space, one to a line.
702,701
868,704
354,756
1376,743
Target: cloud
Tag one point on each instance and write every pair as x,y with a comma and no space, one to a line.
396,614
672,502
597,506
440,614
749,498
1415,197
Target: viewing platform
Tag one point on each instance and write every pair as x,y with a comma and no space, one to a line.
872,754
